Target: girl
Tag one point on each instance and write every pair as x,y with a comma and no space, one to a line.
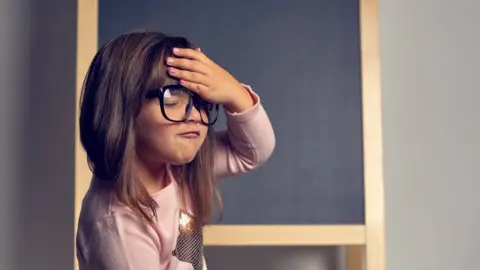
147,109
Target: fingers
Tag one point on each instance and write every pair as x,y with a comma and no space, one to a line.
188,75
191,54
198,88
188,64
193,68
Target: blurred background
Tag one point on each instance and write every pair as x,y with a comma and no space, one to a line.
429,57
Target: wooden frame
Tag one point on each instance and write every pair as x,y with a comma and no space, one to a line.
362,241
372,135
87,40
284,235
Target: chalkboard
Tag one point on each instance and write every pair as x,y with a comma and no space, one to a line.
303,59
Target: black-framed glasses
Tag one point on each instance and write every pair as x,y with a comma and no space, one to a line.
177,102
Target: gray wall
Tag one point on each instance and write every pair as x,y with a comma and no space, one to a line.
431,94
431,130
9,79
37,82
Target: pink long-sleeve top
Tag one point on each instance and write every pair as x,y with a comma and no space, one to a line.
111,237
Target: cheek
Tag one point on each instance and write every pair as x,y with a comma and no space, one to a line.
160,136
203,131
149,129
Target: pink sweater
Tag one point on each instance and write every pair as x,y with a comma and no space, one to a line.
111,237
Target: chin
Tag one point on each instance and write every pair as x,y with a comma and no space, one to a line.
182,160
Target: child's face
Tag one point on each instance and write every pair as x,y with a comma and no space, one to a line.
160,140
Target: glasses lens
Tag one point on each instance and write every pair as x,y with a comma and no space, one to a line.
177,103
208,112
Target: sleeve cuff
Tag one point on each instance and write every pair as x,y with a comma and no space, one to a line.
245,116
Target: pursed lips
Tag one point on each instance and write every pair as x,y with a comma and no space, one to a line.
190,134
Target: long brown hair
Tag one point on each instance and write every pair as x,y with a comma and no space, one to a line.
121,72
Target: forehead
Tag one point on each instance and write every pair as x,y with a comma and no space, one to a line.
159,76
170,81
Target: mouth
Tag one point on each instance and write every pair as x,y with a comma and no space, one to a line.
190,134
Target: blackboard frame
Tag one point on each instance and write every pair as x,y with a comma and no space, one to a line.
367,238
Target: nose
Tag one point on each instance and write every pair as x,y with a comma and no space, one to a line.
195,115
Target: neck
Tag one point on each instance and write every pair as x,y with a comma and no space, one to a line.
153,175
